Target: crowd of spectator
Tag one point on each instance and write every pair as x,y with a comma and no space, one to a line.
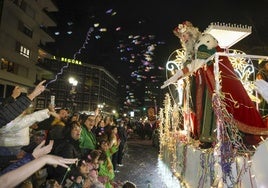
55,147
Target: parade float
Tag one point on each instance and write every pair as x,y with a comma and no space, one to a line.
229,162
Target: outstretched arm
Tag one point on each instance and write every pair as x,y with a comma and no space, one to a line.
15,177
15,93
37,91
173,79
189,69
39,151
9,111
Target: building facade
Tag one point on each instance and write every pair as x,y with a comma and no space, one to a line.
23,36
96,87
25,61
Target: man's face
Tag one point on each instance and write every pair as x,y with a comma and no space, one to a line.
185,37
188,42
63,114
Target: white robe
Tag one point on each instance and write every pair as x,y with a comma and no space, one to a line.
16,132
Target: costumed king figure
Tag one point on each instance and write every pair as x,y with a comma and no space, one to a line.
199,47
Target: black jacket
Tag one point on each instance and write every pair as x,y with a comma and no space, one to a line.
67,148
12,108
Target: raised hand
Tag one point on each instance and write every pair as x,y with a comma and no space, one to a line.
38,90
15,177
16,92
57,160
42,150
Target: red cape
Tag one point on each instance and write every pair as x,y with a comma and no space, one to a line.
237,101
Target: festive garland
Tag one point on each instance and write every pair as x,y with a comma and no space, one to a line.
229,143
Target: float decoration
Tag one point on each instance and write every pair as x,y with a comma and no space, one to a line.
229,162
228,34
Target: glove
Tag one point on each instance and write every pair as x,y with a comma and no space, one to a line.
192,67
172,79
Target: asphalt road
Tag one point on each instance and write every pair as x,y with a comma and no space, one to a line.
140,164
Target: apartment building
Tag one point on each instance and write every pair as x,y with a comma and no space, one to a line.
95,86
23,36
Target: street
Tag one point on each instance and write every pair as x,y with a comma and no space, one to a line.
140,164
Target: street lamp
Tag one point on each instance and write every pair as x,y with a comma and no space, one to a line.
74,83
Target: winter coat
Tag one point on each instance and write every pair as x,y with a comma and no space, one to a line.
16,132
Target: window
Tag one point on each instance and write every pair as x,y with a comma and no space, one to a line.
8,65
25,29
2,90
30,11
25,7
23,50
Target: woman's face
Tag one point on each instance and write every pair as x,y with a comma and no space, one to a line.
76,132
84,169
90,122
115,130
102,124
104,146
96,160
98,118
75,118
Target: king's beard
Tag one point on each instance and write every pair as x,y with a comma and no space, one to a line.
189,48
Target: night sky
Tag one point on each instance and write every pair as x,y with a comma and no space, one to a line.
138,38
